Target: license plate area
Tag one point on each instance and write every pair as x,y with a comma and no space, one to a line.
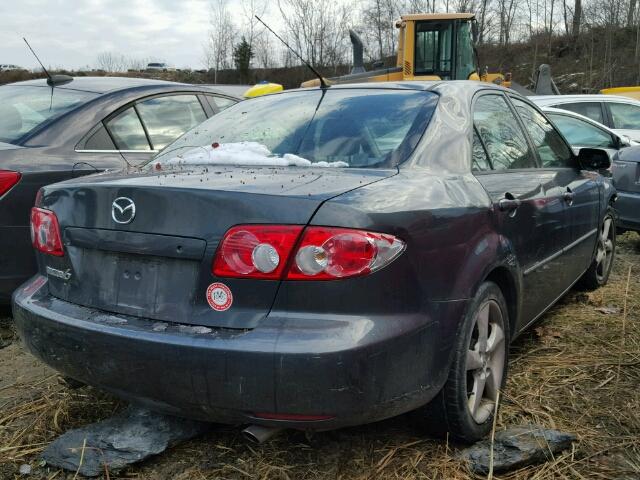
147,286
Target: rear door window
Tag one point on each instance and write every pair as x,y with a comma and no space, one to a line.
551,148
500,131
592,110
625,116
127,131
167,118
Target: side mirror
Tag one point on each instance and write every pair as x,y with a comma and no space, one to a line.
593,159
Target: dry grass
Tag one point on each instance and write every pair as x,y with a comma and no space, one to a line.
578,370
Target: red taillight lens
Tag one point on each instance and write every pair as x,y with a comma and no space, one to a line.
324,253
330,253
7,180
45,232
255,251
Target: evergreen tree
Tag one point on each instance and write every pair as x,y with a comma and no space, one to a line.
242,55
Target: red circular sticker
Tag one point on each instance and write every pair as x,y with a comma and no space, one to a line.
219,297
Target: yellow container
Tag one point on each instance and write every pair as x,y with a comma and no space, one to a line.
631,92
263,89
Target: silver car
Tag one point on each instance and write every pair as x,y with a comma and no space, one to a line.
583,132
621,114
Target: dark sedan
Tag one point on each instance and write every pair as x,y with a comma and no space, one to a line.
321,258
83,126
626,179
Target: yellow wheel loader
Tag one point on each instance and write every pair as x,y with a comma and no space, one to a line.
436,46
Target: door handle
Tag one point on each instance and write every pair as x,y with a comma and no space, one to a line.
508,204
568,196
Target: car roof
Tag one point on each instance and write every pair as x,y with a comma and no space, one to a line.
429,85
100,84
597,97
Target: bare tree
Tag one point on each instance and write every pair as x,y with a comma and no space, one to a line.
577,18
219,47
252,28
111,62
631,13
378,19
318,29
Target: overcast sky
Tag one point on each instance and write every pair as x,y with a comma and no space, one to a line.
71,33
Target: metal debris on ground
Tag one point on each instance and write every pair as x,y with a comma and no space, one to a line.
608,310
517,447
126,438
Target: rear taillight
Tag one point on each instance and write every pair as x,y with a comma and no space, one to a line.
255,251
45,232
7,180
323,253
330,253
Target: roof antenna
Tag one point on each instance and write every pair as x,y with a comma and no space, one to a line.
323,84
54,80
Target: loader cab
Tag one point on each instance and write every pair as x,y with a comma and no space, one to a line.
437,46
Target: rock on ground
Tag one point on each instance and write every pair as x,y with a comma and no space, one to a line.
517,447
126,438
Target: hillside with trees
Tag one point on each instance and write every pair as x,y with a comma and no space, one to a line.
589,44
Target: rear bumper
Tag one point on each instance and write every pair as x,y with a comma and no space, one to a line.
628,208
351,370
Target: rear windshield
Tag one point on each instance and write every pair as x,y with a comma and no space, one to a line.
23,109
372,128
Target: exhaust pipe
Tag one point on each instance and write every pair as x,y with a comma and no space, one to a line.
358,52
259,434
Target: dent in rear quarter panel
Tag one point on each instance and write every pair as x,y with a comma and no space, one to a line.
445,220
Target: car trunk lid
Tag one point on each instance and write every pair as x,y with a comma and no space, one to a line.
157,264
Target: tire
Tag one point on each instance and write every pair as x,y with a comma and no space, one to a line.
454,410
597,275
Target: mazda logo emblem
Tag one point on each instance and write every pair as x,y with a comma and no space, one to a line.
123,210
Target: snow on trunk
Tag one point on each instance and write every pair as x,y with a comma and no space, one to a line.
244,153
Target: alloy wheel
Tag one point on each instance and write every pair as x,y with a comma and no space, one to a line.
604,253
485,361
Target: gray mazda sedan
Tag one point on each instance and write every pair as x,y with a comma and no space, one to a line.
321,258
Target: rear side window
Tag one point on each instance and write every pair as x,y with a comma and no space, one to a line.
551,148
166,118
499,130
580,133
592,110
221,102
25,108
127,131
99,140
625,116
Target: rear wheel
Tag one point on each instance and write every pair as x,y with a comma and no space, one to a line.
465,406
598,273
